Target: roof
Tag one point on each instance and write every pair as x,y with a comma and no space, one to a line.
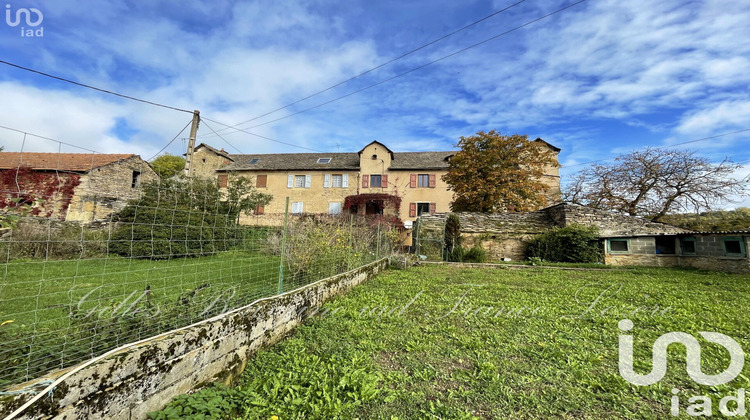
421,160
723,232
293,161
221,152
376,142
554,148
73,162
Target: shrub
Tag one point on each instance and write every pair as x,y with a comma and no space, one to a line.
452,248
574,243
475,254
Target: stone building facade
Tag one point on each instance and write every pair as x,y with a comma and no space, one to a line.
321,182
724,251
506,235
72,186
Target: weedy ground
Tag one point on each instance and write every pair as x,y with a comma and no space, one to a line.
440,342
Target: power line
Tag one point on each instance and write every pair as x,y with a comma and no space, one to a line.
47,138
94,88
170,142
664,147
258,135
225,140
381,65
422,66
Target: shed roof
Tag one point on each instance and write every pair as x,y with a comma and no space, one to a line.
73,162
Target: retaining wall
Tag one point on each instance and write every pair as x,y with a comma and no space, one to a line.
130,382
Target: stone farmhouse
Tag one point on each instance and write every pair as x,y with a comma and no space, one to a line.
71,186
364,182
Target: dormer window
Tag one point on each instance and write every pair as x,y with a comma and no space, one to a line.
253,161
324,160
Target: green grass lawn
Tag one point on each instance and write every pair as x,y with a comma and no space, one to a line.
439,342
67,311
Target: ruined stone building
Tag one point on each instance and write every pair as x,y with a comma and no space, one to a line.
70,186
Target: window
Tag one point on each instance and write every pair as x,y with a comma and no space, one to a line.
375,181
423,208
223,180
259,210
733,246
299,181
618,246
687,246
665,245
423,181
336,181
334,208
324,160
136,179
261,181
297,207
253,161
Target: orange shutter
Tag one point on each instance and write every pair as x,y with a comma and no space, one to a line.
259,210
385,181
261,181
365,181
432,180
412,209
413,181
433,207
223,181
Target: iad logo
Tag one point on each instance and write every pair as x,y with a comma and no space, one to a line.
693,362
22,15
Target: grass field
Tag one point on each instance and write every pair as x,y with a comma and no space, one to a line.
439,342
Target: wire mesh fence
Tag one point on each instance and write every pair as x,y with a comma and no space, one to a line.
167,258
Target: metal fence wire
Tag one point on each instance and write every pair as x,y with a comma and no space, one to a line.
70,292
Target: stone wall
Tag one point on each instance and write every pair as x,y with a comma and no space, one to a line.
206,162
130,382
609,224
107,189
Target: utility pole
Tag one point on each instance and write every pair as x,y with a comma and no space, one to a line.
191,141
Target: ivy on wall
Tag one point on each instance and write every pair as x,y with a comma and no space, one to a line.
45,193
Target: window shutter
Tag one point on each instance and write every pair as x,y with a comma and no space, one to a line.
385,181
432,180
259,210
223,181
365,181
301,207
433,207
345,181
412,209
413,181
308,181
261,181
327,181
290,181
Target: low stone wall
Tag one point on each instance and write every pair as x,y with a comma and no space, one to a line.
143,377
727,264
648,260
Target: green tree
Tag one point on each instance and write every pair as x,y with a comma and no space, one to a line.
182,217
167,166
496,173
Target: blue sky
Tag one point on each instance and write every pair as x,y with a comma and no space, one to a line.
601,78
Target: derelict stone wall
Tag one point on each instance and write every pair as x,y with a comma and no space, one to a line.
609,224
134,381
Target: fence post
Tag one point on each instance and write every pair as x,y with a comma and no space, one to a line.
377,248
283,247
351,240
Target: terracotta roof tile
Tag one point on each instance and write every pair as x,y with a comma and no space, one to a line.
74,162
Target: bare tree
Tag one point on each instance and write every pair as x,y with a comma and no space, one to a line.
654,182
